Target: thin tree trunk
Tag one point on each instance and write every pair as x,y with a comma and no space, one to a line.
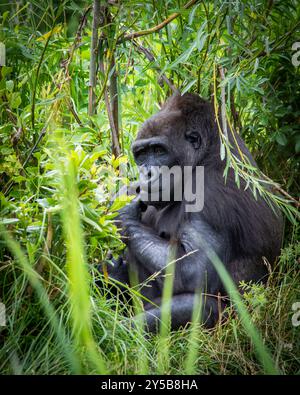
94,46
116,150
223,105
113,92
2,55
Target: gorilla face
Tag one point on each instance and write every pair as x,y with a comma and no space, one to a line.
179,134
156,154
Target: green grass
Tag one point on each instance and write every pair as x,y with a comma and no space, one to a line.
68,325
32,345
56,216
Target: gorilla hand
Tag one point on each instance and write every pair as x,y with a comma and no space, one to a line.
116,269
129,215
131,212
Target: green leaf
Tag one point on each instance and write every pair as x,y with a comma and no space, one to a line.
141,82
7,221
200,40
5,71
182,58
188,86
197,43
192,14
222,151
297,146
15,100
281,139
119,203
4,17
10,85
91,223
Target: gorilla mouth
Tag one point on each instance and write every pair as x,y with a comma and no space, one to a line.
149,176
156,185
150,180
163,184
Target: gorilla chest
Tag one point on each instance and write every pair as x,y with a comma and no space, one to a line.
164,222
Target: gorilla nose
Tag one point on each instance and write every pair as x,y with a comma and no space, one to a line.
149,173
153,173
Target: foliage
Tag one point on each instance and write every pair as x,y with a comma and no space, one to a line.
55,159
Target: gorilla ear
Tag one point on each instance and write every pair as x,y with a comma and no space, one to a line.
194,138
197,113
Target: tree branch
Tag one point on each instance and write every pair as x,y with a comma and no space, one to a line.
94,43
116,150
149,55
158,27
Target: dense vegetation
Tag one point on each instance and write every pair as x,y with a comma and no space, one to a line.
70,106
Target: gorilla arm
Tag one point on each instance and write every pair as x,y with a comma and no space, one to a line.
193,271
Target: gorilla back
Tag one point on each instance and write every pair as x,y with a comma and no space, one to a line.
241,230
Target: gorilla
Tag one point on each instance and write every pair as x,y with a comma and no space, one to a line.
243,230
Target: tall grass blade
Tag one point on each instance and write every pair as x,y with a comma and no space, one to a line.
77,269
33,278
193,340
261,350
165,324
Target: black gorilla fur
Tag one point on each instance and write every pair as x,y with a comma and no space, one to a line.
241,230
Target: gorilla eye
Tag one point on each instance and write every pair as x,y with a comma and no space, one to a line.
158,150
139,153
194,139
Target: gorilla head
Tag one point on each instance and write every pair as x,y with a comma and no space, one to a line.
182,134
